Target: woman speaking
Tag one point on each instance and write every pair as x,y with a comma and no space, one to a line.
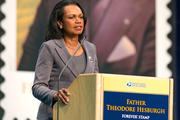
65,38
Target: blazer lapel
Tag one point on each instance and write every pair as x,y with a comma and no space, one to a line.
65,56
89,59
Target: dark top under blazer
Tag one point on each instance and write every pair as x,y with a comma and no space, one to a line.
52,58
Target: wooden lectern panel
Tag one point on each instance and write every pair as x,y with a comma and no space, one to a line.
82,104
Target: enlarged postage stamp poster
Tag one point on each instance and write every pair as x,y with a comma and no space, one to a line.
130,38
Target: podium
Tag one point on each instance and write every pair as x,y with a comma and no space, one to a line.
118,97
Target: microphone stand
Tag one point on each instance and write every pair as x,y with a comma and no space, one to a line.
58,103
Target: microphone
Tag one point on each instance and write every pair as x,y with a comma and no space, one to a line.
67,63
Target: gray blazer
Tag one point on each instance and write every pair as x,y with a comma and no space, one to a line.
52,58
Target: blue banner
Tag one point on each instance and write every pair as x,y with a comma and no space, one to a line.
132,106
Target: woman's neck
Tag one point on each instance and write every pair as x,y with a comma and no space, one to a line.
71,41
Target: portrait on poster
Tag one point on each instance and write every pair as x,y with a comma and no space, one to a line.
124,33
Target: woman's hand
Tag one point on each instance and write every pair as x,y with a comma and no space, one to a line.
63,95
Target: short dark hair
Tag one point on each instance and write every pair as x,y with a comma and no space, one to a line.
53,30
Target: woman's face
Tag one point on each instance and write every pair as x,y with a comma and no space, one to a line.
73,22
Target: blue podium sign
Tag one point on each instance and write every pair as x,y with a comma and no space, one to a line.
132,106
137,98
